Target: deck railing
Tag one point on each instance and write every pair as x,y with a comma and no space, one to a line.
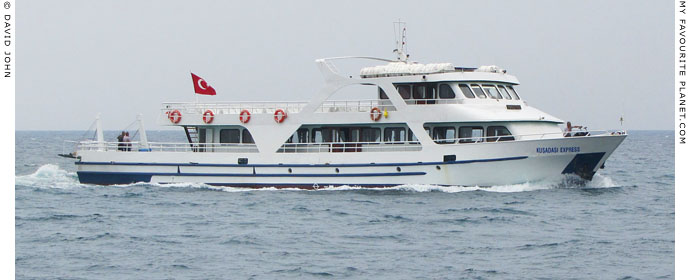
335,147
271,107
167,147
346,147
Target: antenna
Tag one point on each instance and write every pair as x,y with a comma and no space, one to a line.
400,30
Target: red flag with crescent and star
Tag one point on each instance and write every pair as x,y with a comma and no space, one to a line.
201,87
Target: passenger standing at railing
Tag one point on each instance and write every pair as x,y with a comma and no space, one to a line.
569,128
120,144
128,145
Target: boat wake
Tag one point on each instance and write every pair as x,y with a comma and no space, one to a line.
52,176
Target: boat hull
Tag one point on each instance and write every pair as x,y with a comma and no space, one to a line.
478,164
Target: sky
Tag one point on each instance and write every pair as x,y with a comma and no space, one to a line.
588,62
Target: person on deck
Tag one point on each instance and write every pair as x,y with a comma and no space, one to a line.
120,140
569,128
128,144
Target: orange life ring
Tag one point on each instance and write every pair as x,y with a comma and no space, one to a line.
279,115
245,116
208,116
375,114
175,116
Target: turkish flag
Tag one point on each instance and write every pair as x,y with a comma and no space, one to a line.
201,87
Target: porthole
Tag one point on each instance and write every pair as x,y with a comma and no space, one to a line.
398,168
337,170
289,170
438,167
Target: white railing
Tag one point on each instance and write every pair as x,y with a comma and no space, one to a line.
293,106
355,106
167,147
234,108
336,147
522,137
346,147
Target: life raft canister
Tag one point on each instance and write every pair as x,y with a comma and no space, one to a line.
175,116
245,116
375,114
279,115
208,116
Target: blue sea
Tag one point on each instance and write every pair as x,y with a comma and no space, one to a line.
618,226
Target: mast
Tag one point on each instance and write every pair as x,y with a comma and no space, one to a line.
400,30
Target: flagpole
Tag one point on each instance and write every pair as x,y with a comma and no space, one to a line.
196,96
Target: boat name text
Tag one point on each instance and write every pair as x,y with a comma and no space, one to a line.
549,150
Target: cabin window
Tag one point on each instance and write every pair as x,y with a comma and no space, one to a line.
471,134
466,91
202,135
229,135
411,137
355,134
478,91
371,135
492,91
300,136
446,92
404,91
504,92
247,137
341,134
492,133
394,134
444,134
382,95
316,136
513,92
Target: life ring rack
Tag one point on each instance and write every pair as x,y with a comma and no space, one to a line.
175,116
208,116
375,114
245,116
280,115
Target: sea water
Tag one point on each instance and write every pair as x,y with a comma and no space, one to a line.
618,226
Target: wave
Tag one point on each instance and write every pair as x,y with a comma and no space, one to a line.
51,176
48,176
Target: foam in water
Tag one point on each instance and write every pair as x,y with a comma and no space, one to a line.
51,176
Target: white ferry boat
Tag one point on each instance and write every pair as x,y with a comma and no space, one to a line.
427,124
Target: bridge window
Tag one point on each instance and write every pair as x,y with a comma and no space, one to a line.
513,92
504,92
466,91
446,92
478,91
229,136
493,92
492,133
471,134
404,91
418,92
394,134
444,134
382,95
247,137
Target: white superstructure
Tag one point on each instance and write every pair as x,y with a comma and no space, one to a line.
427,124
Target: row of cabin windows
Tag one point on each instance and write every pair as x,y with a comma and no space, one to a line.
469,134
445,91
440,134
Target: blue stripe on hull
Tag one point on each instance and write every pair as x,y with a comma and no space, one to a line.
112,178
